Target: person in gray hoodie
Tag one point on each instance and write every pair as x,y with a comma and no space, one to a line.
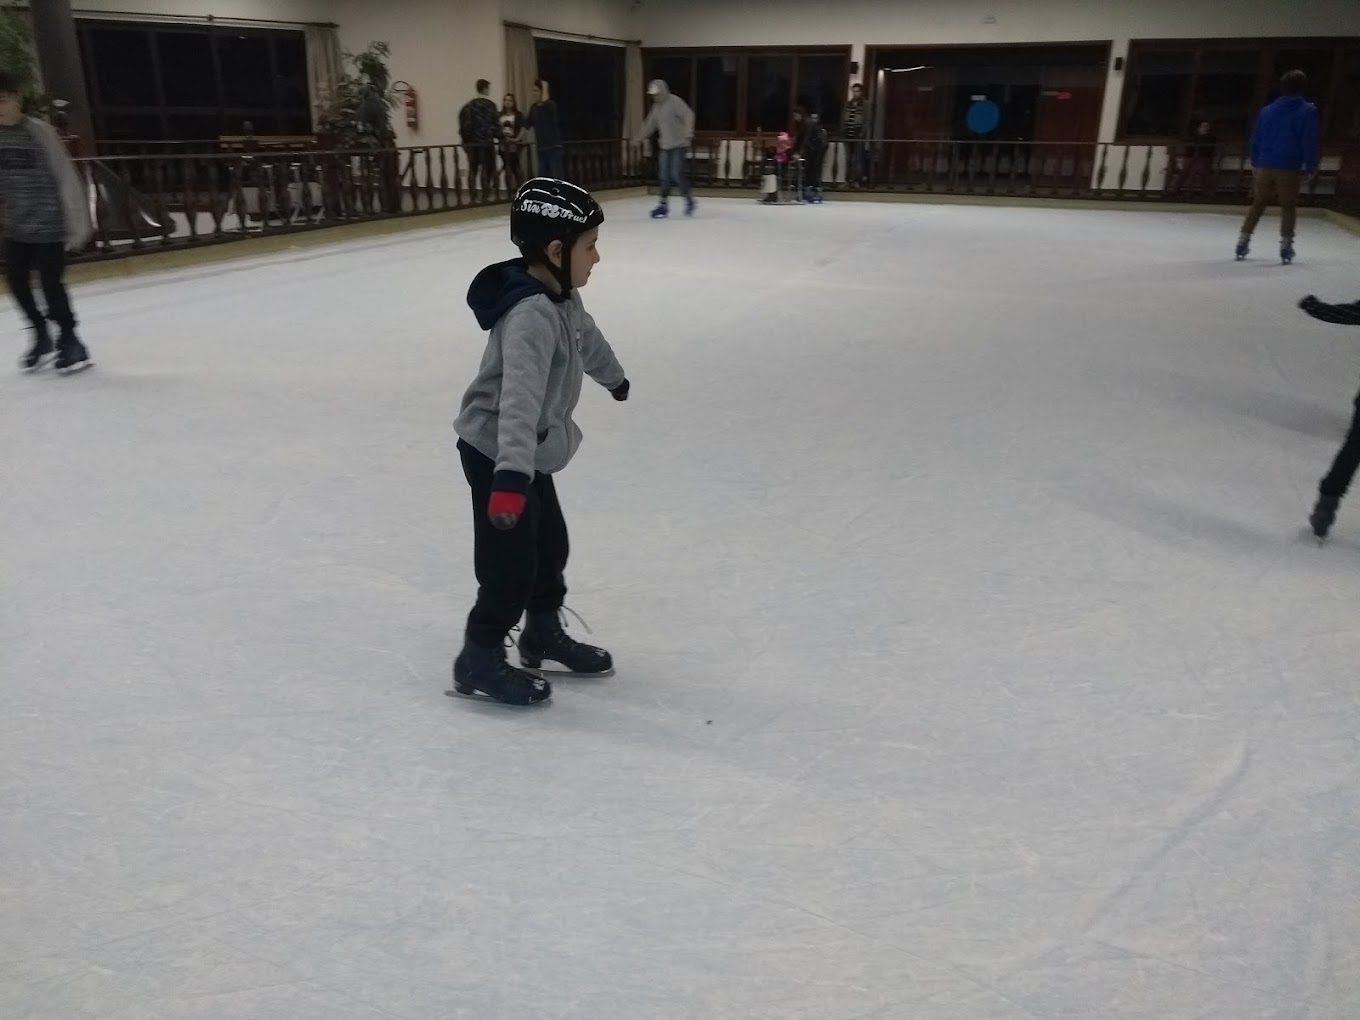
45,215
515,431
671,119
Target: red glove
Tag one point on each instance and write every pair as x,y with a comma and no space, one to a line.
505,509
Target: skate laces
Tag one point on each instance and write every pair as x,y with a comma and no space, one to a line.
579,619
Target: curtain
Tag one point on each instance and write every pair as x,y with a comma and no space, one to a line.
521,65
632,92
325,67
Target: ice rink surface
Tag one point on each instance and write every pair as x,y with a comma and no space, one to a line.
972,661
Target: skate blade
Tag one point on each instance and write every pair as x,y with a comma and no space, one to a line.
487,699
562,673
42,363
76,368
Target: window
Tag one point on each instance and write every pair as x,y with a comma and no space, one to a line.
1162,81
586,80
676,72
187,71
1346,110
755,90
186,83
1173,84
822,82
1225,90
715,106
767,93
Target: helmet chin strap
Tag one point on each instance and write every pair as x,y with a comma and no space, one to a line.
563,272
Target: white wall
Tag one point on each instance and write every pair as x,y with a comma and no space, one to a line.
926,22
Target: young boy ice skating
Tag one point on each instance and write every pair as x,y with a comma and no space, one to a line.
515,432
45,215
1333,487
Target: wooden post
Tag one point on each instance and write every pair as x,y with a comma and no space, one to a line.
54,36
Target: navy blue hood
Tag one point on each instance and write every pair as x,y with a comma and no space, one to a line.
498,288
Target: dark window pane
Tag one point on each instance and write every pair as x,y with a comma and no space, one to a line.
586,81
195,127
290,57
1346,122
716,105
1161,89
132,127
125,74
1317,64
675,72
187,69
769,80
822,82
1225,90
247,79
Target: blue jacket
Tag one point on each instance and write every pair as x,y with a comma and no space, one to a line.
1286,136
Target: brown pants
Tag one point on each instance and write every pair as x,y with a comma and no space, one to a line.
1283,187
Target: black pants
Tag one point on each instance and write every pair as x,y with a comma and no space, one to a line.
1338,479
50,262
517,569
481,169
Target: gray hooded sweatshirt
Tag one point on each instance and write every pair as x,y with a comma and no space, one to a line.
70,185
517,412
670,116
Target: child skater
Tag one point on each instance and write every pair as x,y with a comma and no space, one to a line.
516,431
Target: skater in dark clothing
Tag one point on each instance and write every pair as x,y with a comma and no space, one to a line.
45,216
547,133
516,431
1333,487
479,127
813,151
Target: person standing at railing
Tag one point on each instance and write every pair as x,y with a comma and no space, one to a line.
512,141
547,133
45,215
1197,166
1284,145
479,127
853,131
1333,487
672,121
813,151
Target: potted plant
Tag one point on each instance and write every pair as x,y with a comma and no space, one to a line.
359,116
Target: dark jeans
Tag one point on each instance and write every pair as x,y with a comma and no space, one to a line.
1338,479
21,259
517,569
856,160
514,176
672,168
551,163
481,169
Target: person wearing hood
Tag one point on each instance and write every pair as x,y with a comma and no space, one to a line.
672,121
515,431
1284,145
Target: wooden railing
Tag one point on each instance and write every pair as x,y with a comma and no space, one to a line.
162,200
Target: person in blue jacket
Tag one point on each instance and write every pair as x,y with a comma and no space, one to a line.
1284,145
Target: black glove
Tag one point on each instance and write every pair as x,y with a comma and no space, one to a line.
1342,315
620,392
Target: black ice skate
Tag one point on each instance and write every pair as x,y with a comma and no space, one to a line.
545,640
72,356
1323,515
40,352
484,673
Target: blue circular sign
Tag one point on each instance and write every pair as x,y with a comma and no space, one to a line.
983,117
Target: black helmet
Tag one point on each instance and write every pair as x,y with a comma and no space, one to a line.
546,210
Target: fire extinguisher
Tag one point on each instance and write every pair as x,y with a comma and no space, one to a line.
410,103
